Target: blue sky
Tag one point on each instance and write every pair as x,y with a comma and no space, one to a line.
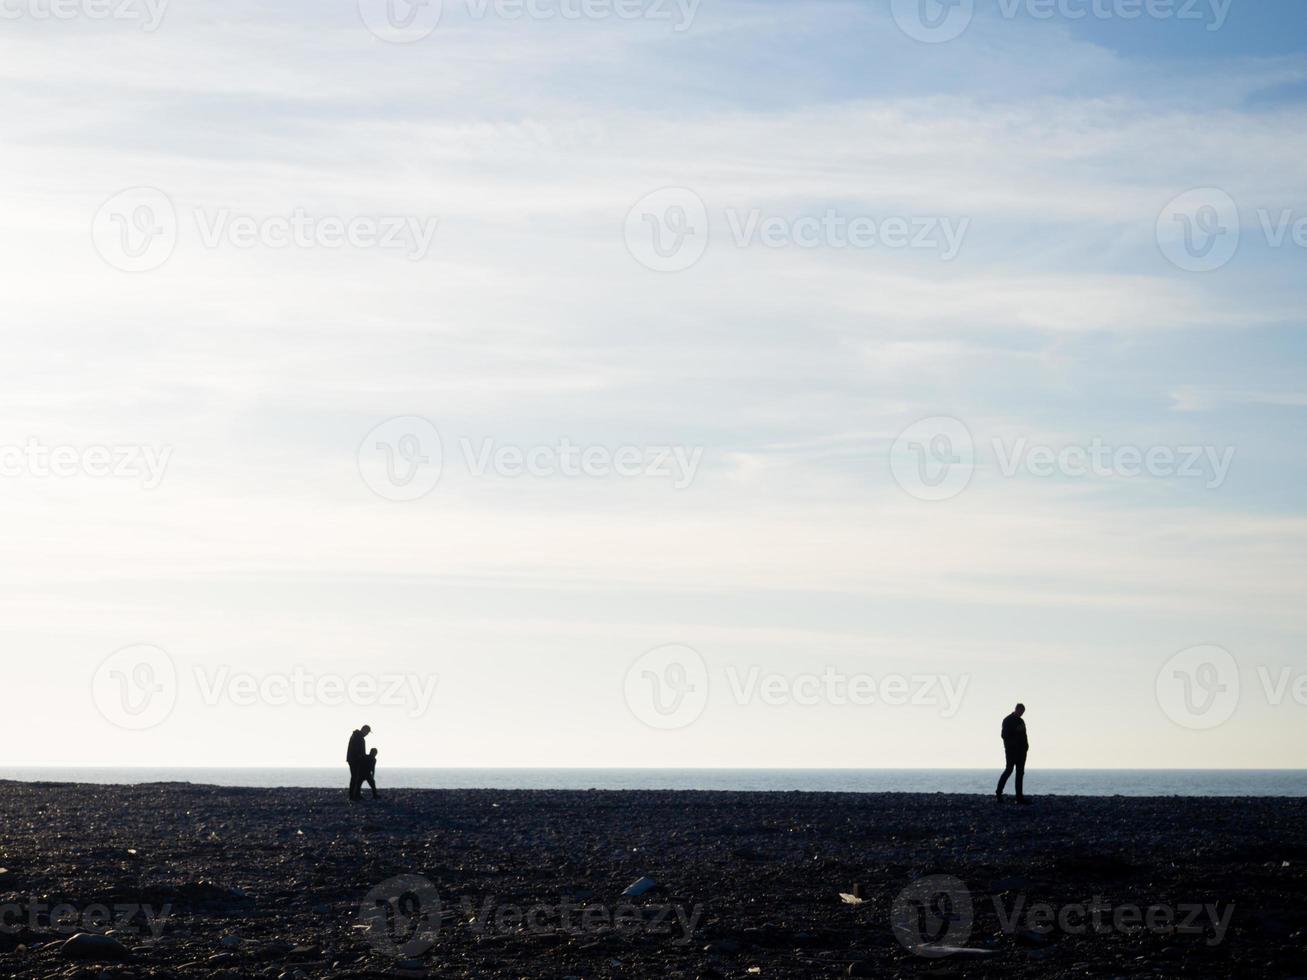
1053,147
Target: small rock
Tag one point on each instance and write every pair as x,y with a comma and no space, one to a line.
87,947
639,887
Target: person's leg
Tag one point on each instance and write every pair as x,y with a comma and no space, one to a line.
372,783
355,783
1021,777
1002,780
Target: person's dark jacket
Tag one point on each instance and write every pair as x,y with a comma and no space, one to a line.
357,753
1014,735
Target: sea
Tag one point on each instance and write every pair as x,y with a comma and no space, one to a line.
1039,782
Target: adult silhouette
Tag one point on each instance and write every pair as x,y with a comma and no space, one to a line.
1015,747
357,757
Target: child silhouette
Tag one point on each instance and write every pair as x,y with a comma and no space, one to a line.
371,773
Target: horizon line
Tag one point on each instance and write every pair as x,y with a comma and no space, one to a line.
670,768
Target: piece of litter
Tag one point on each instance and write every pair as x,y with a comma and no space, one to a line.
848,899
932,950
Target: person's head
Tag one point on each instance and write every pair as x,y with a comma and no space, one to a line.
1021,710
373,753
365,730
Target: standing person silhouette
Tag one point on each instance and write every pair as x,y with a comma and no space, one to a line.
1015,747
370,774
357,757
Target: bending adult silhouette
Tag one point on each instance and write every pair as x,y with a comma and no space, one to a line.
357,757
1015,747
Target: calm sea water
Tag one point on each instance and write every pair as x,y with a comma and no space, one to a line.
1061,782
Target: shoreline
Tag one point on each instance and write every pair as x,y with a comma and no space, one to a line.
1133,783
857,794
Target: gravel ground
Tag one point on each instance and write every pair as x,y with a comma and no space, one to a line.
178,880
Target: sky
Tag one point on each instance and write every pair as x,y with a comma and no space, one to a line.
635,383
